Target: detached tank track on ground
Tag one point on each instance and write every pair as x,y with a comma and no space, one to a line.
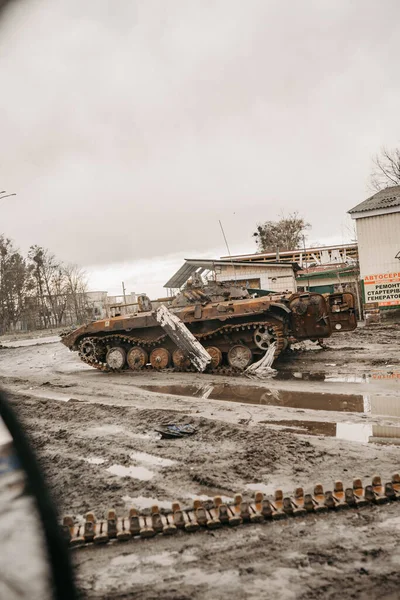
212,514
146,344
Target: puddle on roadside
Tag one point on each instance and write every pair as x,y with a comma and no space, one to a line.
352,432
368,404
306,427
306,375
134,471
94,460
209,496
267,489
284,375
142,502
139,471
156,461
265,396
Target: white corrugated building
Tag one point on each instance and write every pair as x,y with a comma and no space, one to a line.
378,232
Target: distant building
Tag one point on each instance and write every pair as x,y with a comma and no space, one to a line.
97,302
323,269
276,277
304,257
378,231
327,279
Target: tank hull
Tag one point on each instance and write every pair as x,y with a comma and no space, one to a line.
219,323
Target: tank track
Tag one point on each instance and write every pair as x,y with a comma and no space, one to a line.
148,345
212,514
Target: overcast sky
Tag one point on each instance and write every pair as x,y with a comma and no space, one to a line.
129,128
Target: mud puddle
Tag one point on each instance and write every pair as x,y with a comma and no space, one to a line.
156,461
284,375
95,460
353,432
140,471
143,502
134,471
265,396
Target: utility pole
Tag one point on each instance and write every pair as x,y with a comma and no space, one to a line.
123,292
229,252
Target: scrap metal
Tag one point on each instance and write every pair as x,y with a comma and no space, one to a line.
222,321
214,513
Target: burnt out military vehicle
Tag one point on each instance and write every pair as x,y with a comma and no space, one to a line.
235,326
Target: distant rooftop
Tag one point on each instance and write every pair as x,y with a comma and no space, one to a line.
192,266
325,271
387,198
283,253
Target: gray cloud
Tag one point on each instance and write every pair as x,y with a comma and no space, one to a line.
129,128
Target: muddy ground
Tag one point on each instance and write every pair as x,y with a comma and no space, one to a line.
329,414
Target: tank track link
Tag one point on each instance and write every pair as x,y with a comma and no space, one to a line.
147,345
213,513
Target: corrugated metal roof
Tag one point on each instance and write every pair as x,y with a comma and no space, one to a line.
330,267
191,266
386,198
261,255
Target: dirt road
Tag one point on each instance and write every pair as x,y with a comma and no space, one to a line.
329,414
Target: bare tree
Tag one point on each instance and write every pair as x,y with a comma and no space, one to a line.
76,292
386,169
40,291
51,284
15,284
285,234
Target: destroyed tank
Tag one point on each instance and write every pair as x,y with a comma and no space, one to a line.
234,325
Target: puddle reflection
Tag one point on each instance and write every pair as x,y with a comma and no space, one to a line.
261,395
156,461
352,432
137,472
369,404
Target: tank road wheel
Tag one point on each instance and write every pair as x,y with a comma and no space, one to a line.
216,356
88,349
240,357
137,358
264,336
115,358
160,358
180,360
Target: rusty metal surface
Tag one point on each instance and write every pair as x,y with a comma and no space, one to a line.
225,314
342,312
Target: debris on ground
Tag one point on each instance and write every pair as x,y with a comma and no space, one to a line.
262,369
183,338
214,513
175,431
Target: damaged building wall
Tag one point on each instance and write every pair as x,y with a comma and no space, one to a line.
279,278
